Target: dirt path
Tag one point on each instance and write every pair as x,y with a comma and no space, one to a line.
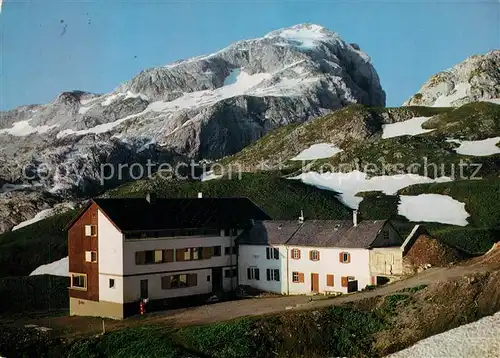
76,326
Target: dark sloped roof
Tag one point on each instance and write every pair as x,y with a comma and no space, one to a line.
269,232
314,233
130,214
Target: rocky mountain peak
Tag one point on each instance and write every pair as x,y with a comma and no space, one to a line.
477,78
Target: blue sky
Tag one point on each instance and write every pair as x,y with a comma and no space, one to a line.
107,42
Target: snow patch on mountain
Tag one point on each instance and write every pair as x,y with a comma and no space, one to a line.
477,148
347,185
56,268
460,92
305,36
318,151
411,126
45,214
24,128
433,208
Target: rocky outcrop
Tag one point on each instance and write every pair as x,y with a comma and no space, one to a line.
475,79
206,107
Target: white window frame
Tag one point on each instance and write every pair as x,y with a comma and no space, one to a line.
295,277
84,275
252,273
296,254
313,254
272,253
88,230
274,274
88,256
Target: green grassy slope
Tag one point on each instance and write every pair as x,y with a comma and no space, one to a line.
280,198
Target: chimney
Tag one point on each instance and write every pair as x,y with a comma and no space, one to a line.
355,218
301,217
200,195
151,197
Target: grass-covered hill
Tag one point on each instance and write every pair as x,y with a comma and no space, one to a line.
357,130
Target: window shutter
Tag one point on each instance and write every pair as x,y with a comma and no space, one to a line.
298,254
140,257
88,230
179,255
268,274
158,256
257,274
166,282
317,257
330,280
341,256
248,273
88,256
345,281
348,258
168,255
268,255
207,253
276,254
192,279
310,255
301,277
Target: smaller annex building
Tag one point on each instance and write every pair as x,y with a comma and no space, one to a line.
319,256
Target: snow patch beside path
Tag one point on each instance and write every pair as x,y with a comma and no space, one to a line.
210,176
474,340
433,208
56,268
318,151
411,126
349,184
477,148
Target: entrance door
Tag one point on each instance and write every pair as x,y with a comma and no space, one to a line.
314,282
144,289
217,280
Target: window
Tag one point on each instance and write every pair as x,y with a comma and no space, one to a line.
79,281
90,256
208,278
314,255
90,230
111,283
346,279
227,232
253,273
230,250
154,257
272,253
179,281
230,273
297,277
216,251
296,254
194,253
344,257
273,274
330,280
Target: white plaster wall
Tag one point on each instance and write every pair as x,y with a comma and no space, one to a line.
255,256
132,286
110,259
106,293
132,246
329,264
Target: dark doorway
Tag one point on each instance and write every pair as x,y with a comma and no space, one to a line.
217,280
352,286
144,289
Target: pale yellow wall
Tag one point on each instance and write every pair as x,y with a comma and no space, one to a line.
80,307
386,261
